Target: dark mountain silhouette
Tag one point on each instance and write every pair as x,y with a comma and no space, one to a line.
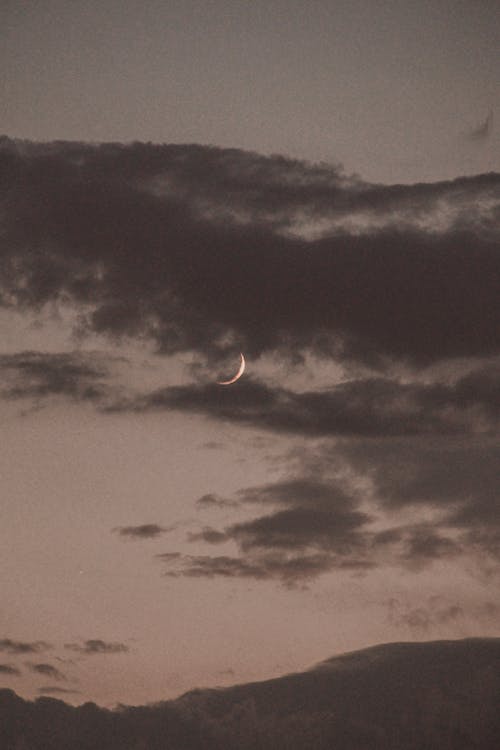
440,695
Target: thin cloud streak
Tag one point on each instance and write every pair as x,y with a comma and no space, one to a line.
364,407
97,646
23,647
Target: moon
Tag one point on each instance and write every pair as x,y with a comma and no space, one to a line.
238,374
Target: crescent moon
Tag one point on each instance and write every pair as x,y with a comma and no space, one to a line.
238,374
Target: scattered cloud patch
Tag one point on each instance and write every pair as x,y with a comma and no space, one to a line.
214,501
144,531
363,407
23,647
483,131
48,670
97,646
8,669
40,375
436,611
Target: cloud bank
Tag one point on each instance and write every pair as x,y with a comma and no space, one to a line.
204,249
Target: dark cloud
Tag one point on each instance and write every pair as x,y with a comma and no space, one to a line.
426,543
366,407
314,527
197,246
458,477
344,512
96,646
39,375
317,516
48,670
23,647
8,669
145,531
455,479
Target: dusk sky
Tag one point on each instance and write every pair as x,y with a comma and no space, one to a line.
317,186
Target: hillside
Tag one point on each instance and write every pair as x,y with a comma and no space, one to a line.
401,696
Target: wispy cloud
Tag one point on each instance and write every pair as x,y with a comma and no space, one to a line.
144,531
23,647
40,375
48,670
97,646
8,669
482,131
365,407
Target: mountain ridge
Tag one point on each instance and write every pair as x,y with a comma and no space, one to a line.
421,695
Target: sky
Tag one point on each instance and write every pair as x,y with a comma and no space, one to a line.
314,185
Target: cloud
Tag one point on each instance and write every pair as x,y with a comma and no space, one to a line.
314,527
39,375
145,531
425,543
214,501
365,407
286,568
96,646
47,670
458,477
7,669
23,647
482,131
316,514
436,611
207,250
361,504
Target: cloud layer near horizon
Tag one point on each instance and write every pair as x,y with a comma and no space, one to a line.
203,249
